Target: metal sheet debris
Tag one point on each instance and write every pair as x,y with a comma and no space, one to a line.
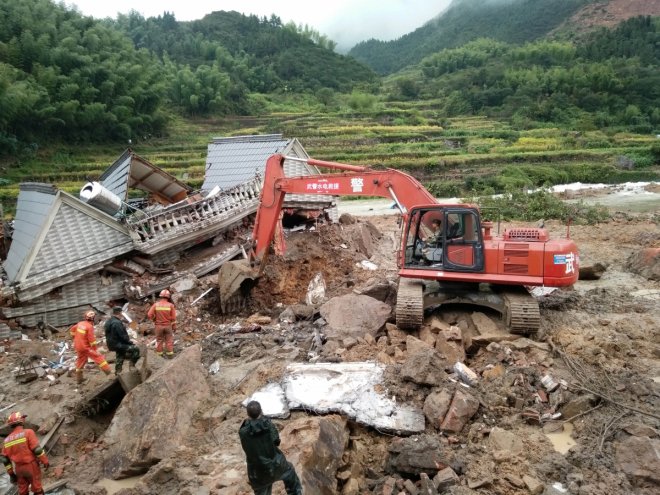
272,399
350,389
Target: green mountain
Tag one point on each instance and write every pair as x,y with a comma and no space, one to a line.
67,77
260,53
511,21
610,79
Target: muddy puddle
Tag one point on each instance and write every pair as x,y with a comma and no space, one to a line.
562,440
113,486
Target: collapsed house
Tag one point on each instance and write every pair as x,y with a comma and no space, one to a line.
67,254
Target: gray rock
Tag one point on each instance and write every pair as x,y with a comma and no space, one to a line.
426,367
288,316
140,436
534,486
436,406
419,454
578,405
315,445
463,407
445,479
354,315
380,289
188,282
639,458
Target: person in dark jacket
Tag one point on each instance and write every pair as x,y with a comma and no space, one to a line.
266,463
116,337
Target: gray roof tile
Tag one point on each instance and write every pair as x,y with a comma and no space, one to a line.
33,207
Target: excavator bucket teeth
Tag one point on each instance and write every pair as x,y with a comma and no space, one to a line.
235,281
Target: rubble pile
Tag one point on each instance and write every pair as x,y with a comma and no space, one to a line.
459,407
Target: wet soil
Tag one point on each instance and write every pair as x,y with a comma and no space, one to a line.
601,337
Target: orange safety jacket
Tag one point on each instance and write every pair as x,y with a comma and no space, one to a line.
163,314
83,335
22,447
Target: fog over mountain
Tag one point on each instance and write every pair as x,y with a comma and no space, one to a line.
345,21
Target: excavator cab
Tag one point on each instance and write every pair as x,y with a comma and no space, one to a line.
443,237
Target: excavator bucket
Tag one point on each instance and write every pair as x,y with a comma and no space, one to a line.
235,281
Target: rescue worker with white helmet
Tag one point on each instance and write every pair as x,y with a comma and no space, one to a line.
163,314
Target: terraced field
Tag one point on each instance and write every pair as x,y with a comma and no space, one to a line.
451,156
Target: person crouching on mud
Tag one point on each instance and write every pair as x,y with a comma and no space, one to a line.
266,463
163,314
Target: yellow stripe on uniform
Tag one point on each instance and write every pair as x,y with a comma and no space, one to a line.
162,308
15,442
104,363
93,342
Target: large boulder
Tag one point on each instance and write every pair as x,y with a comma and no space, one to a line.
315,445
354,316
378,288
419,454
154,418
639,458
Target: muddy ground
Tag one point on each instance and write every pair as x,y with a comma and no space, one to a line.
600,340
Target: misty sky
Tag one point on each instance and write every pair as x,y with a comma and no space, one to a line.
344,21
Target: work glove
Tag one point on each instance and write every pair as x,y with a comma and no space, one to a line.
13,478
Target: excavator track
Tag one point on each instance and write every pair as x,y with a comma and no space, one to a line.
522,312
410,304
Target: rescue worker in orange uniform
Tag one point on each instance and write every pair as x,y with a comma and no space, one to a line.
21,455
163,314
84,342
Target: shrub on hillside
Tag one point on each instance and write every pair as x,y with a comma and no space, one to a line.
541,204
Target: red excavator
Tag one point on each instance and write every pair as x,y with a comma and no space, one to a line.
447,253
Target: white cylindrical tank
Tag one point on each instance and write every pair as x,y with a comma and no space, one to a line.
99,197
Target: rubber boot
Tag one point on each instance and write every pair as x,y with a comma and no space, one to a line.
131,366
79,377
107,371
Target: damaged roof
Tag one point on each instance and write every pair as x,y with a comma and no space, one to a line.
133,171
234,160
56,234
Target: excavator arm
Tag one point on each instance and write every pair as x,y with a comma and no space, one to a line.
351,180
236,278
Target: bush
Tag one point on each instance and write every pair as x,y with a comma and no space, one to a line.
361,101
541,204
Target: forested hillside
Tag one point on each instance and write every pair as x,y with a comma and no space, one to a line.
511,21
259,54
66,77
611,80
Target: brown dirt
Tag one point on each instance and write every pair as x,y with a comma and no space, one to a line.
605,335
612,12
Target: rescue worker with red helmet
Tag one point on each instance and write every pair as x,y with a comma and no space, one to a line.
84,342
163,314
21,455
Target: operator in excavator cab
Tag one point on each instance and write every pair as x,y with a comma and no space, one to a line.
432,250
436,235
